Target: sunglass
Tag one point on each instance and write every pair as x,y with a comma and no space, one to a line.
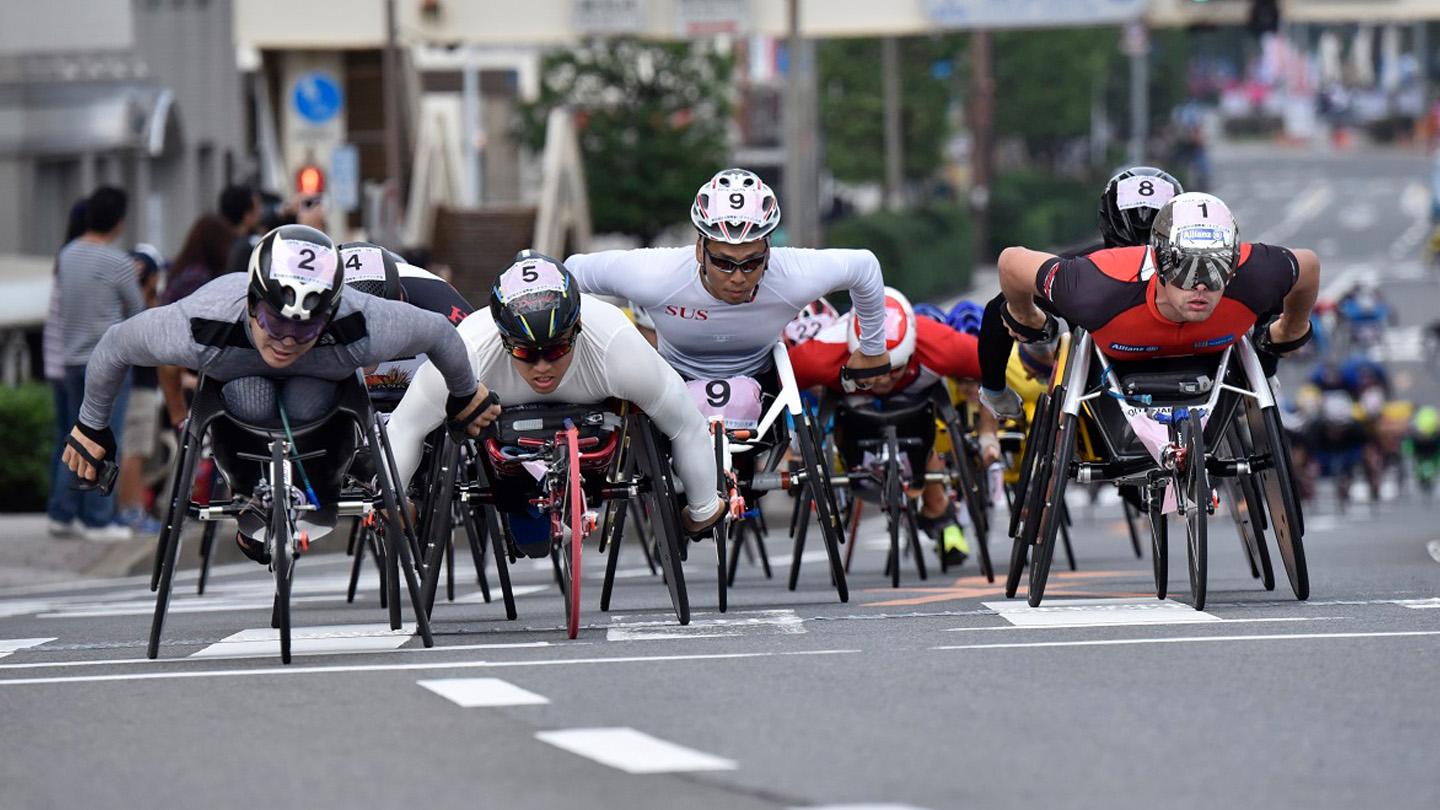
550,352
279,327
746,266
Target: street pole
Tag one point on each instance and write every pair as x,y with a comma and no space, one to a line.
389,79
982,124
1137,46
802,177
470,129
894,147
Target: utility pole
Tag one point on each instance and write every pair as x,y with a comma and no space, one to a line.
802,174
982,148
894,147
390,81
1136,44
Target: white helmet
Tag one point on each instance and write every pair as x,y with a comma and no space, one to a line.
899,328
1196,241
735,207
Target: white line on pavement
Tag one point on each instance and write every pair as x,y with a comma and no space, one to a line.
1433,548
861,807
1123,611
749,623
633,751
471,693
352,638
1139,624
10,645
1306,206
1413,604
294,670
519,645
1109,642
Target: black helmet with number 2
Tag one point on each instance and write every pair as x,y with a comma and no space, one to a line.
296,271
1129,203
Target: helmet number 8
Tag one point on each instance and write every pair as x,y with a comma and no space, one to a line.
717,393
1146,188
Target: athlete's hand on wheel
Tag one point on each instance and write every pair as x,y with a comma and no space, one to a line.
1282,333
860,361
1033,317
77,462
479,412
1005,403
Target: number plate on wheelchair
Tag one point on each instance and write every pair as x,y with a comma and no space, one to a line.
736,400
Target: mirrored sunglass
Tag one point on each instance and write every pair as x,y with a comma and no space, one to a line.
534,354
746,266
280,328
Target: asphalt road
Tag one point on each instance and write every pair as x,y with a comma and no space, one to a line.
940,694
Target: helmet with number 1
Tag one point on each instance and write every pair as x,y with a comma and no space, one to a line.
535,301
965,317
372,270
1129,203
296,271
735,207
899,328
1196,241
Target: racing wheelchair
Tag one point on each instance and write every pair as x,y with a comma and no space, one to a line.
1168,426
278,501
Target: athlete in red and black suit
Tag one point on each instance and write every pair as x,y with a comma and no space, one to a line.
1195,290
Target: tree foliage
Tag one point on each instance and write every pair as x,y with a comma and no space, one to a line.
652,118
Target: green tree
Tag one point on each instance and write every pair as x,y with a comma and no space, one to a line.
652,118
852,107
1046,81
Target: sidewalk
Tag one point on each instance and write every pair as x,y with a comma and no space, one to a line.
30,556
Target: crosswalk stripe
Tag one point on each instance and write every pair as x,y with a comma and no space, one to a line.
1092,612
633,751
351,638
10,645
747,623
470,693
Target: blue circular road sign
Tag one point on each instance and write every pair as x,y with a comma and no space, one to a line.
317,97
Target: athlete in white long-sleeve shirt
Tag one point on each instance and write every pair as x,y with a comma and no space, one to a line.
544,354
720,308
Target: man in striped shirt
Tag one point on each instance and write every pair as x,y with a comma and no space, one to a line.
96,289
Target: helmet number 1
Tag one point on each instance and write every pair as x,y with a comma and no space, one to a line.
717,393
1204,209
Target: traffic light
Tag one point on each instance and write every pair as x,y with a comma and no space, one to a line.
310,180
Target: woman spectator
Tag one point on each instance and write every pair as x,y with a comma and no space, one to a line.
201,259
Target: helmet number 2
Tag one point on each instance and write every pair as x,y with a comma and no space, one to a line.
717,393
307,263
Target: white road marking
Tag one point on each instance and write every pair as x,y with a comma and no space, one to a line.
10,645
1117,642
1413,604
471,693
1433,547
516,590
861,807
1068,612
294,670
519,645
633,751
1306,206
1283,620
351,638
748,623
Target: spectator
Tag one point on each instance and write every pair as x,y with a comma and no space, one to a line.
53,351
142,417
240,206
97,289
201,259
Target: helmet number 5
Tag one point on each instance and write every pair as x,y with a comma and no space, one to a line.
717,393
528,273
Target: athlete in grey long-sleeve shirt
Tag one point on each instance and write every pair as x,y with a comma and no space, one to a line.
209,331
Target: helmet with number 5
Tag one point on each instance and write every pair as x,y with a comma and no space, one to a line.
296,271
1196,241
535,301
1129,203
899,328
735,207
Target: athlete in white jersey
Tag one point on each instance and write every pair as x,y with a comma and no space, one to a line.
720,307
542,341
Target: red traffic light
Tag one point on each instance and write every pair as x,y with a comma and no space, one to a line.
310,180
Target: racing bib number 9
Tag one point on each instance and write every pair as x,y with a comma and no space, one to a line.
736,400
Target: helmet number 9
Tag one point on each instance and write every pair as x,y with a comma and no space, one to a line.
737,200
717,393
528,273
1146,188
308,263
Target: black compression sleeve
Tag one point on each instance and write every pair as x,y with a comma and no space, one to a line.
995,345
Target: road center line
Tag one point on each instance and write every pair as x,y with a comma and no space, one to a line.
518,645
293,670
1115,642
633,751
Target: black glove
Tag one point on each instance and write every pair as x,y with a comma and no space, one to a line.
106,469
1044,334
454,406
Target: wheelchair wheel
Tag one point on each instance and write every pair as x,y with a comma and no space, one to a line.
575,515
1132,525
972,491
1028,460
721,531
1159,543
1282,501
1052,504
282,560
167,554
1030,489
822,493
665,521
1195,492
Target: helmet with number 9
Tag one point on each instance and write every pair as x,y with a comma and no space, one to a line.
735,207
1129,203
535,301
296,271
372,270
899,328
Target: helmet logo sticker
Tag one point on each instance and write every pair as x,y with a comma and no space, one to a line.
363,264
1142,191
304,262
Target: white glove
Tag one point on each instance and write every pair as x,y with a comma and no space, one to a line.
1005,403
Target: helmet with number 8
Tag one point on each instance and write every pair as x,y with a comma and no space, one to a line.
735,207
372,270
1130,201
535,301
1196,241
899,328
296,271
